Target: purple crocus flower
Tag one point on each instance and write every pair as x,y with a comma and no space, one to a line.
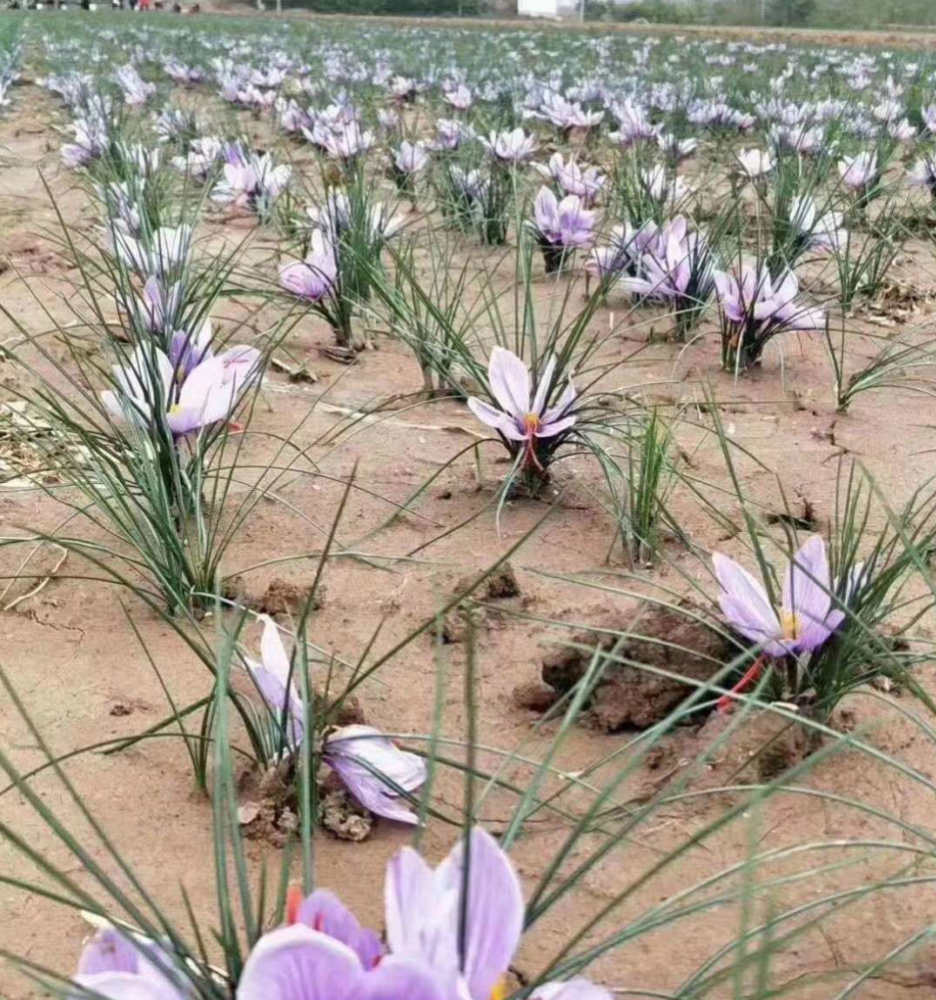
923,174
113,966
323,953
756,307
207,395
424,909
805,619
313,278
561,226
510,147
859,173
362,757
523,416
570,178
411,157
323,911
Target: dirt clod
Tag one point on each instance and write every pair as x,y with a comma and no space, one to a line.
535,696
629,696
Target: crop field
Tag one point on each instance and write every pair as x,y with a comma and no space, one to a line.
468,512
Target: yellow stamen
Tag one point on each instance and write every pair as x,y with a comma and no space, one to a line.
500,989
532,422
790,624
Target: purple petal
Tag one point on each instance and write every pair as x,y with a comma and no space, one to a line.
323,911
109,951
744,601
494,912
297,963
510,382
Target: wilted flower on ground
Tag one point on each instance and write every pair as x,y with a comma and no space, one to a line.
524,417
363,757
368,763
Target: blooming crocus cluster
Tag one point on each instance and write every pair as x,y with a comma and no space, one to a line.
756,307
251,180
570,178
522,416
561,227
369,764
674,268
806,618
451,934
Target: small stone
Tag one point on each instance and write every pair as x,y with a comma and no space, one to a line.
535,696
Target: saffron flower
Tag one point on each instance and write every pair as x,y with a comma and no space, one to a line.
755,163
859,173
561,227
207,394
923,174
275,680
755,308
165,250
570,178
410,158
805,619
816,230
510,147
450,934
524,419
313,278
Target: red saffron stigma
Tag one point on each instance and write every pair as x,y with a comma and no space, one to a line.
293,902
